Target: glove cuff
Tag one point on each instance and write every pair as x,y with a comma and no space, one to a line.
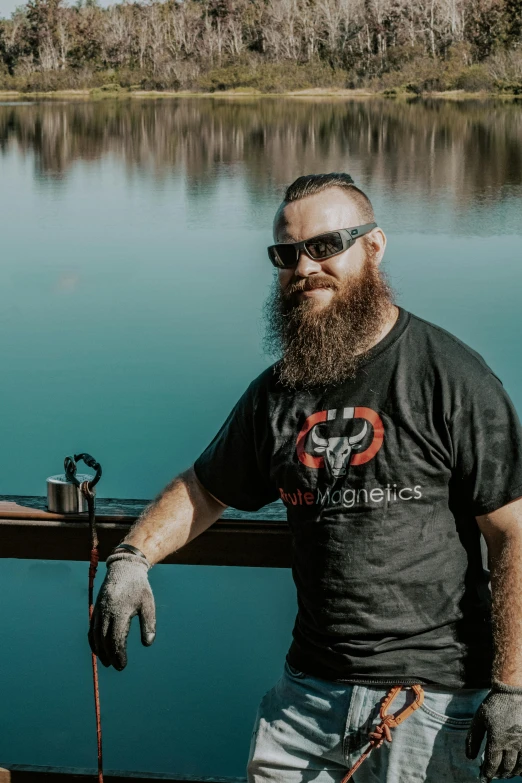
128,557
500,687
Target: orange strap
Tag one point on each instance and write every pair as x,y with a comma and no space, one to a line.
92,573
93,566
383,730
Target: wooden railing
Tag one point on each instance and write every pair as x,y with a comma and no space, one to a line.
18,773
29,531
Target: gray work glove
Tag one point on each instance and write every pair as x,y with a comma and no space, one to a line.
499,717
125,592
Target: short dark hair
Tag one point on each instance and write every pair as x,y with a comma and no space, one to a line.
310,184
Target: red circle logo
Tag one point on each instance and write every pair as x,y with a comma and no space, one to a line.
340,451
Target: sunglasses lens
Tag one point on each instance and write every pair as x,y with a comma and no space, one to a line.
325,245
283,256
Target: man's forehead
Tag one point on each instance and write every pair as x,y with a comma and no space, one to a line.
307,217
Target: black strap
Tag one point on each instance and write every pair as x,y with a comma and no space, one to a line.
130,548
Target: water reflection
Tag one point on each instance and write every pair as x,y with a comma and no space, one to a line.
467,151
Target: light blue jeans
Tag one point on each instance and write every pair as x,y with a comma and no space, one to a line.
309,729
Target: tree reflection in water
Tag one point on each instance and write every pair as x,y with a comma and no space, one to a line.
468,152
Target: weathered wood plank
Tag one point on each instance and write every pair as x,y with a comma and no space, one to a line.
113,509
20,773
27,530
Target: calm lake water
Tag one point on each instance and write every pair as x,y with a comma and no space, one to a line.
133,271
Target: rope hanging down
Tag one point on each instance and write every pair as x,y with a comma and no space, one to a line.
87,489
383,730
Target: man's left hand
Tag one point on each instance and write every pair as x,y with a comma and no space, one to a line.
499,717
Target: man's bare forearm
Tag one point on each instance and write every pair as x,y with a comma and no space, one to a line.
506,588
179,514
502,530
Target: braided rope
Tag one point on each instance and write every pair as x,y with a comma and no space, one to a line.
93,566
382,732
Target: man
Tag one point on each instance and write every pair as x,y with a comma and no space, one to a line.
393,446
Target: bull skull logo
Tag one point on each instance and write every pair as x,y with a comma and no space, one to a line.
337,451
340,451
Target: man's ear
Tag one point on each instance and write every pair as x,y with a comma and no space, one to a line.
377,239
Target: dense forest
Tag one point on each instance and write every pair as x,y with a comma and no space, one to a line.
269,45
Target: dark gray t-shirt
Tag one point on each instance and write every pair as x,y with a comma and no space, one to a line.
382,477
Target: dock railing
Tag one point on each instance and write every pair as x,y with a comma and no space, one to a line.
29,531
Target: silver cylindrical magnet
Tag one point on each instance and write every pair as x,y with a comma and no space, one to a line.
64,497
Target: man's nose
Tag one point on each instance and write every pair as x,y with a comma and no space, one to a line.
306,266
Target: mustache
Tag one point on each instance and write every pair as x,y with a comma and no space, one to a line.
309,284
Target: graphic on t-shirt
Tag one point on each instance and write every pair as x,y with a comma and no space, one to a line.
339,450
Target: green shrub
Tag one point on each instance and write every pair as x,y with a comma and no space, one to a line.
272,77
513,88
505,68
48,81
474,78
226,78
157,83
111,87
394,92
414,76
427,74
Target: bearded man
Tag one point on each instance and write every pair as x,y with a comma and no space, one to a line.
393,447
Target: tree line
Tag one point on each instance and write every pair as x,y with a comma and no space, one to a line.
270,45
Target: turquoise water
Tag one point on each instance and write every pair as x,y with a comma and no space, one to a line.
133,271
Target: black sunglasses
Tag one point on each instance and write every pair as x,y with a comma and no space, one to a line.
285,256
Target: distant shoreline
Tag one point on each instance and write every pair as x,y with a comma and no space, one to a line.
318,93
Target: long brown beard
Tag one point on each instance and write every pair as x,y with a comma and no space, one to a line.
323,346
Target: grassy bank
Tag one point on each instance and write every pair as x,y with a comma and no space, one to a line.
419,75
